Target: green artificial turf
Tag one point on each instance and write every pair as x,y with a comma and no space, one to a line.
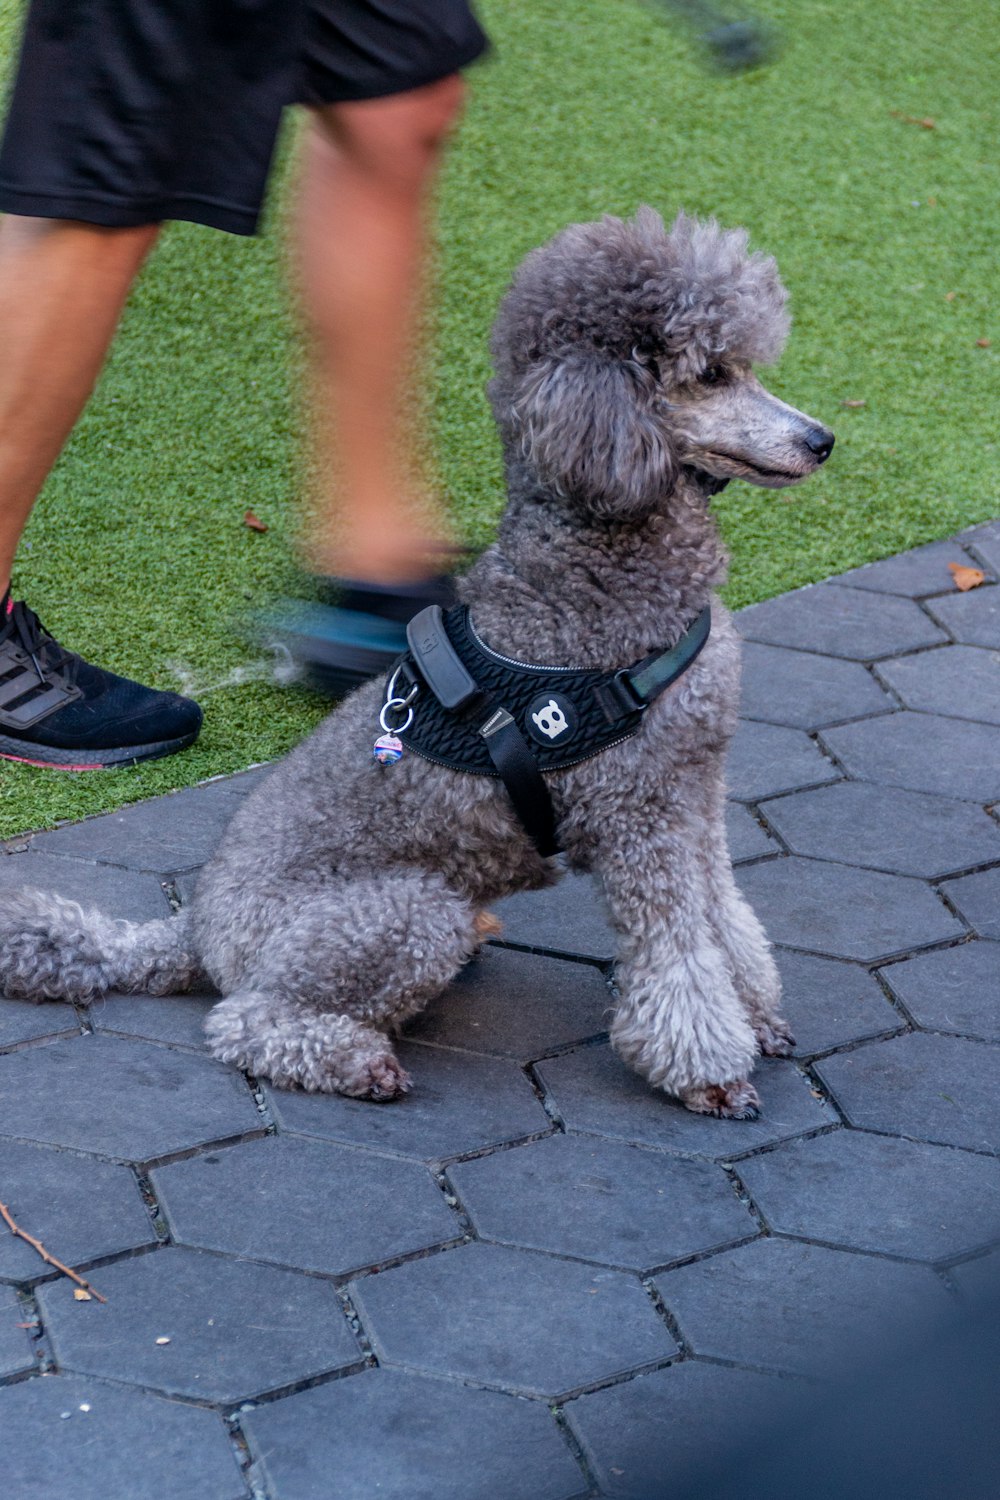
885,231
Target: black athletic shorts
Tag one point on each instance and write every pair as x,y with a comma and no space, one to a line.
129,112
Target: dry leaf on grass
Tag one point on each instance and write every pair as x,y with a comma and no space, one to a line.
854,403
924,121
982,343
965,577
254,522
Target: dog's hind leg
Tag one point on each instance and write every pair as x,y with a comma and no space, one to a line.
679,1021
350,963
294,1044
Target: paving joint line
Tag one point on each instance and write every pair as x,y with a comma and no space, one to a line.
241,1450
590,960
990,1153
578,1451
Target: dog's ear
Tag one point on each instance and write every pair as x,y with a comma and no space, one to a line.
587,427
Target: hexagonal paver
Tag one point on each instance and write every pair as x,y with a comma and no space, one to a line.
878,1193
805,691
977,897
747,839
601,1201
459,1103
641,1434
843,912
978,1279
316,1206
16,1350
82,1440
838,621
178,1020
22,1022
765,759
955,989
233,1329
433,1437
796,1307
593,1091
885,828
985,544
117,893
244,781
511,1318
931,1088
128,1100
917,573
516,1004
925,752
972,618
961,681
829,1003
165,834
571,918
79,1209
185,884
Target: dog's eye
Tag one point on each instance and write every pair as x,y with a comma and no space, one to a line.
714,375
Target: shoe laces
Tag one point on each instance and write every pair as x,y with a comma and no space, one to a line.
35,641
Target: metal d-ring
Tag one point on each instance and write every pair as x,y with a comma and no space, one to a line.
394,704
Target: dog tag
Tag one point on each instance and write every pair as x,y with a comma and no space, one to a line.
387,749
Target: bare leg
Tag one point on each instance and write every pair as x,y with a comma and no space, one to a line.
368,170
62,289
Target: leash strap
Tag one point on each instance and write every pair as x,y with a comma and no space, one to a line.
518,769
458,691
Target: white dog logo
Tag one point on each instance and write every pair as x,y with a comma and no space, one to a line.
551,720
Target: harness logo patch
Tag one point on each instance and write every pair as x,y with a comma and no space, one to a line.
550,719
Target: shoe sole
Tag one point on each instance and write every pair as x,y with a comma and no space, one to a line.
336,650
89,760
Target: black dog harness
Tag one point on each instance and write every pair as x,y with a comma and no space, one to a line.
465,706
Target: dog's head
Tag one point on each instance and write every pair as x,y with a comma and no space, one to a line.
624,352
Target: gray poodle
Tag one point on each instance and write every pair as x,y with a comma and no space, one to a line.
346,893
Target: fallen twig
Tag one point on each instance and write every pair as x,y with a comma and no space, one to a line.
50,1260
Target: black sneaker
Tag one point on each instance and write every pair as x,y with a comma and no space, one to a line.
337,646
57,710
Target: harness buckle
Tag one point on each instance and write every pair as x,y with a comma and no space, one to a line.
618,698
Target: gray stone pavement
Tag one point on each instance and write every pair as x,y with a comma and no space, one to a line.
534,1278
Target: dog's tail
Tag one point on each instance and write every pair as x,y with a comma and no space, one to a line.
54,949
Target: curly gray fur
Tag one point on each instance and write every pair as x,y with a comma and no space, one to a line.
345,893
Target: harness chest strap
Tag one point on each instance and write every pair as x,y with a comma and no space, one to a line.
470,721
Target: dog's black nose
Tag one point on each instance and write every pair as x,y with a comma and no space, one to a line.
819,441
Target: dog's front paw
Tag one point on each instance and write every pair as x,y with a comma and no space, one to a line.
737,1100
381,1079
774,1037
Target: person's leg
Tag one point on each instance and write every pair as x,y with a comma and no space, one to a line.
63,285
368,170
115,125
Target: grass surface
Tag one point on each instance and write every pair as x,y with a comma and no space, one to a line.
885,232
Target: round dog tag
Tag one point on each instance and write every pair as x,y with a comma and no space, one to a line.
387,749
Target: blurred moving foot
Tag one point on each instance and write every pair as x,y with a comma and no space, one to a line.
357,634
59,711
